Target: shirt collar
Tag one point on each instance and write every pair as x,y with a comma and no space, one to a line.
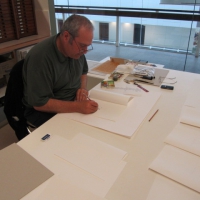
60,56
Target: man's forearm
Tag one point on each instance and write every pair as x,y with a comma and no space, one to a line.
58,106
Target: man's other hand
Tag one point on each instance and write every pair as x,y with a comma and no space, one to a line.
81,95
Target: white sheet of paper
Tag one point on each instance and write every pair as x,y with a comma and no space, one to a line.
45,153
166,189
132,90
109,111
178,165
91,155
58,189
125,68
185,137
193,97
190,116
160,75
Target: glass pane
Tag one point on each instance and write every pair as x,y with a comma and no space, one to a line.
173,43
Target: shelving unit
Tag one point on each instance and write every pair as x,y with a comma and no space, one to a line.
43,29
9,48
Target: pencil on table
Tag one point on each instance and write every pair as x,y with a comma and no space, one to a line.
153,115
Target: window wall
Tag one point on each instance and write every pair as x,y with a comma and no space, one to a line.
173,35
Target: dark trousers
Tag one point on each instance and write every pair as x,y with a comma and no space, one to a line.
37,118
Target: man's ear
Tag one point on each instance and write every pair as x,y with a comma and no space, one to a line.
68,37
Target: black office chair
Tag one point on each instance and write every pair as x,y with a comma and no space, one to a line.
13,106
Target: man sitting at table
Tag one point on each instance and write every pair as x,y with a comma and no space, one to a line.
55,73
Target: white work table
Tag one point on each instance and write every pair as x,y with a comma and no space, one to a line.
136,179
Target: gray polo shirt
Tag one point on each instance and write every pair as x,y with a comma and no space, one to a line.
47,73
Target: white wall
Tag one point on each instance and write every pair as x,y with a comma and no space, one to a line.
127,33
169,37
96,30
112,31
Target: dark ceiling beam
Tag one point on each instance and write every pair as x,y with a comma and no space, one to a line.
126,13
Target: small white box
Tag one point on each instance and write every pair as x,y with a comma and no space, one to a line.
21,53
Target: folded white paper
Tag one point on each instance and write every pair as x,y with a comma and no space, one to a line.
193,97
185,137
111,105
190,116
109,96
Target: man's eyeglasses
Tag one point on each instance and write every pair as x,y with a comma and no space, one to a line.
84,49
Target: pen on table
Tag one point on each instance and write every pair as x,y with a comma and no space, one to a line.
153,115
90,100
87,97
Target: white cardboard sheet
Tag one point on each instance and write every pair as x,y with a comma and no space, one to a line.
20,173
178,165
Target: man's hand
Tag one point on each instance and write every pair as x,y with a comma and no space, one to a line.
88,106
81,95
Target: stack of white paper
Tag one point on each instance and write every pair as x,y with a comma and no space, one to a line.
186,135
123,118
191,109
181,164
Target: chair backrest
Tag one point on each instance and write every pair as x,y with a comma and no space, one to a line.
13,106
